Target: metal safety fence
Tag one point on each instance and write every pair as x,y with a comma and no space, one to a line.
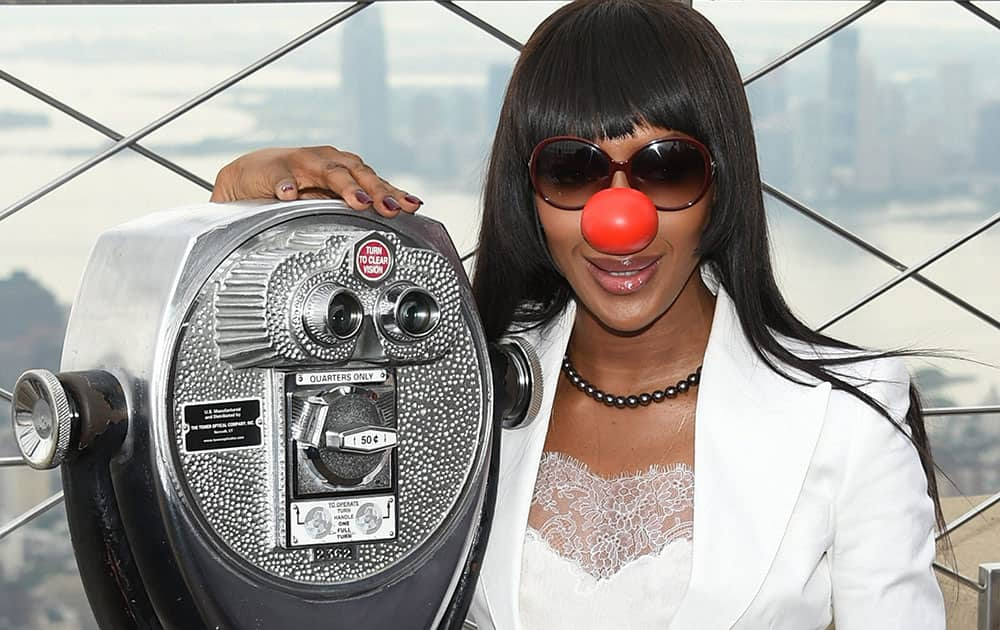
986,584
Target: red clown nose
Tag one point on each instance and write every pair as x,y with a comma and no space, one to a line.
619,221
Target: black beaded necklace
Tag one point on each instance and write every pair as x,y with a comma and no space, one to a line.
683,386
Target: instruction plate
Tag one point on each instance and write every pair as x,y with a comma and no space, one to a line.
333,521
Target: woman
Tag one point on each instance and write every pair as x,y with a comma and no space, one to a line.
801,490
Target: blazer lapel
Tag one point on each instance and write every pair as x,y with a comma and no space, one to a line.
520,452
755,434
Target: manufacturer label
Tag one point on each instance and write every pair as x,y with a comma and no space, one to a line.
341,377
331,521
218,425
373,259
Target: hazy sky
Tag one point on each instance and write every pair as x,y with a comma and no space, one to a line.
128,65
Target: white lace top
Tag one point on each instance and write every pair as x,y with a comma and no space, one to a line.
606,552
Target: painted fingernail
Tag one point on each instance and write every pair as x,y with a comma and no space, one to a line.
286,187
413,199
392,204
363,197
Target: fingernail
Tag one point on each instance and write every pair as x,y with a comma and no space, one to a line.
413,199
287,187
392,204
363,197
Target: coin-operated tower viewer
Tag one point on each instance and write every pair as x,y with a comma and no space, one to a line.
276,415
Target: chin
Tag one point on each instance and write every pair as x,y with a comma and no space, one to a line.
624,317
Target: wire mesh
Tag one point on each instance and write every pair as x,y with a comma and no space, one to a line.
132,142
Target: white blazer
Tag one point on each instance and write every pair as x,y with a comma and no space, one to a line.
808,504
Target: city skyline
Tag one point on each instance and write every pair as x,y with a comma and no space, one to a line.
903,170
447,128
877,159
437,136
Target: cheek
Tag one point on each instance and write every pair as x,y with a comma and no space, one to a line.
561,229
683,229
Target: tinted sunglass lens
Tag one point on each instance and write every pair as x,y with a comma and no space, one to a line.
671,173
568,172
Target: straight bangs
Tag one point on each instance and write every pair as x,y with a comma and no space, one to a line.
593,75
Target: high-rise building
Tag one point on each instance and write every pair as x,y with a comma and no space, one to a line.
842,100
810,151
497,77
955,113
20,490
32,326
872,147
773,127
768,95
987,133
895,123
364,89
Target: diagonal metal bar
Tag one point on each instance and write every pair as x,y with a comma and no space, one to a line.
482,24
812,41
4,394
961,411
12,461
142,2
947,249
874,251
958,576
107,131
968,516
968,6
182,109
31,514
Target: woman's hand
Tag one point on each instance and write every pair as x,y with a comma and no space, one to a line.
310,173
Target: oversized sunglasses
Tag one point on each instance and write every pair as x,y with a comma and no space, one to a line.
673,172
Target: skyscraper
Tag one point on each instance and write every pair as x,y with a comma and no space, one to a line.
32,325
364,89
955,110
842,101
987,132
872,159
811,154
768,100
497,76
768,96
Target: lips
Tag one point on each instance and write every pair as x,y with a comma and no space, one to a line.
622,276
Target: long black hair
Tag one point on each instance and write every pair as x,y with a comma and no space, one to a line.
600,69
